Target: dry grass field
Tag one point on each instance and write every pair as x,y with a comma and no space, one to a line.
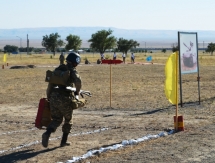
138,108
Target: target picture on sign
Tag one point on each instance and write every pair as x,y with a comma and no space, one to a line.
188,52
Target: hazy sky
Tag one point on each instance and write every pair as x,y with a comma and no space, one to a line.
125,14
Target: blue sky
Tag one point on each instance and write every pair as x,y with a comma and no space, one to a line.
125,14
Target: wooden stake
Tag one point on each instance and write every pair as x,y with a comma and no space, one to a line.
110,83
176,110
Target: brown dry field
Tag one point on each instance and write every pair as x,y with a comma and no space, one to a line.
139,107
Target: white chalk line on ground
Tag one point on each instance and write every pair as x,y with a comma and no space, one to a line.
12,132
124,143
37,141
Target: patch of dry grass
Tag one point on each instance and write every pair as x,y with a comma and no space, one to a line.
158,57
141,84
139,107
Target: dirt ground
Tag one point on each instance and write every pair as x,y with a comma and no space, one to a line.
138,108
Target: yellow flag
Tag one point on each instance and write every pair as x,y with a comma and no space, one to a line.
171,78
5,58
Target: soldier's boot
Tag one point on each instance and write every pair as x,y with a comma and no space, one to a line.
45,137
64,140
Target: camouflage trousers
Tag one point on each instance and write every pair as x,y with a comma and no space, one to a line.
61,62
61,107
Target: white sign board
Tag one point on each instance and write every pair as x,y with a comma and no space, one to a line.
188,50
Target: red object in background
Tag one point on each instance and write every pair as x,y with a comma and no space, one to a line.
111,61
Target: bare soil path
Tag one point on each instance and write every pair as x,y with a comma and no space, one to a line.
139,107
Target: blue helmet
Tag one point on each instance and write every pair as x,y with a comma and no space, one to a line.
74,58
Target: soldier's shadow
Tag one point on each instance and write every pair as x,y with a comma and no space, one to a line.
22,155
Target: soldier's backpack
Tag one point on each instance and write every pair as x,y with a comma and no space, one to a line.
60,76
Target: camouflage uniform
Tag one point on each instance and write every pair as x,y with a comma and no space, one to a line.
62,59
60,101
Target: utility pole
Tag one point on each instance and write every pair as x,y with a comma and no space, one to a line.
20,44
20,41
27,45
145,47
203,46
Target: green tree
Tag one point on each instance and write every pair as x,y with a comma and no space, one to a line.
124,45
52,42
211,48
163,50
174,47
74,42
37,50
22,49
61,50
10,48
102,40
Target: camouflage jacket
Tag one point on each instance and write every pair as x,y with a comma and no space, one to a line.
74,79
61,58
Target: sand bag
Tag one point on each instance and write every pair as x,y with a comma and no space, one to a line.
43,117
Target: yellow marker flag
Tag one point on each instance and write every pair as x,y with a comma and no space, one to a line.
5,58
171,78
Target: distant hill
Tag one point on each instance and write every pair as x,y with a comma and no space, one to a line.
159,38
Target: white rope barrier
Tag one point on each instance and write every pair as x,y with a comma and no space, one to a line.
37,141
12,132
124,143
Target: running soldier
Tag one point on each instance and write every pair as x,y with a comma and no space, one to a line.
60,101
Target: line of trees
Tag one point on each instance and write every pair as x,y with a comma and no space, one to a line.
210,48
12,48
100,41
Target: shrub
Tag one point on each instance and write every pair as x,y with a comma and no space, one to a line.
107,56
